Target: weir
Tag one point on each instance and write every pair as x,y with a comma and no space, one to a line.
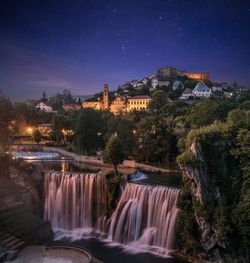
144,219
74,200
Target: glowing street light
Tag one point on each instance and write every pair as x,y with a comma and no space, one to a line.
30,130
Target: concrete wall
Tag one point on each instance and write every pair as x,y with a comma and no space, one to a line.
92,159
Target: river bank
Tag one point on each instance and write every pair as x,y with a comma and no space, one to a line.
92,160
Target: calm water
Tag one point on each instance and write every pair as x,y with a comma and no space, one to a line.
115,254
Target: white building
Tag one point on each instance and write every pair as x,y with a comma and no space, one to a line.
144,81
177,85
216,88
134,83
139,85
154,82
186,94
43,107
202,90
162,83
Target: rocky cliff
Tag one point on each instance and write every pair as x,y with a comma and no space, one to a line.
21,200
212,181
199,178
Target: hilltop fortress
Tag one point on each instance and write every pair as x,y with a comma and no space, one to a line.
171,72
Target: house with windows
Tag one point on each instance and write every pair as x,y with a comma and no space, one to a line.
138,103
202,90
118,105
154,82
177,85
187,94
162,83
44,107
71,106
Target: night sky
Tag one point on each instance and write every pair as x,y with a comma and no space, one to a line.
53,45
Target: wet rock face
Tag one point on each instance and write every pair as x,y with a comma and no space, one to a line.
29,178
20,185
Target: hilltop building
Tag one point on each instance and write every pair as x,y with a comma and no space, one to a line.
177,85
100,104
171,72
118,105
201,90
106,97
138,103
71,106
162,83
44,107
154,82
187,94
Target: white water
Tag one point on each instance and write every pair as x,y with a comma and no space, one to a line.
74,201
35,155
144,219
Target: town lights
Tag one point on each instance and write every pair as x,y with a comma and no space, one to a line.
30,130
67,132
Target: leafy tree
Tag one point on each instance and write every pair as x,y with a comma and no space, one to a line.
125,129
37,136
114,152
159,100
89,130
6,118
44,97
203,113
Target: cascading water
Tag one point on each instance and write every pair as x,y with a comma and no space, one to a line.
144,218
74,201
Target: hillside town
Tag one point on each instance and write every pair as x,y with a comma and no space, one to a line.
135,95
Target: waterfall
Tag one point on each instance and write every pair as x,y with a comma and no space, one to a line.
145,218
74,200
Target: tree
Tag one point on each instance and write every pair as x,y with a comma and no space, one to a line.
159,100
114,152
44,97
203,113
37,136
6,118
89,130
125,129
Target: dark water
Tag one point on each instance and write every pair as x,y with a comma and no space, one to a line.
168,179
109,254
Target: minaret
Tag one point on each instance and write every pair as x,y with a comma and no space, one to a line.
106,97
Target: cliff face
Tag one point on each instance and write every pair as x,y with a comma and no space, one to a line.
199,189
21,201
30,180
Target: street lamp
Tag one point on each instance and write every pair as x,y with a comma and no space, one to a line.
30,130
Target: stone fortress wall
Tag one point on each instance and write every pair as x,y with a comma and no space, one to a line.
169,72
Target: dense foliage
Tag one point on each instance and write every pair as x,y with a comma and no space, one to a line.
225,148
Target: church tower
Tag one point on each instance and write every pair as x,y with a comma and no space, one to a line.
106,97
